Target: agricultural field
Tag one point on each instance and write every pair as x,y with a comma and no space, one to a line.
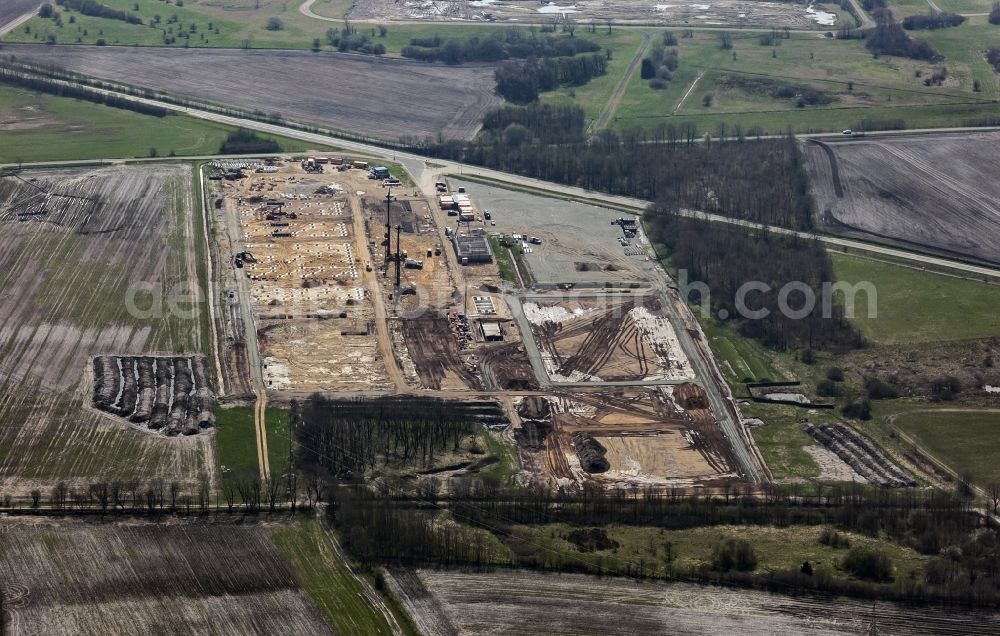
136,577
364,95
928,192
99,261
40,127
350,604
967,441
447,602
14,9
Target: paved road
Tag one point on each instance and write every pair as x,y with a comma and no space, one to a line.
425,170
616,97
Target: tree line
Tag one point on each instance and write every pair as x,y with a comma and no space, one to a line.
659,66
99,10
534,123
348,438
889,37
245,142
932,21
509,43
762,180
726,258
492,528
51,87
521,82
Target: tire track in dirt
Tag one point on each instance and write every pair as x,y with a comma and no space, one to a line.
616,97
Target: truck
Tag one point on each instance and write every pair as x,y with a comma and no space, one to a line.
380,172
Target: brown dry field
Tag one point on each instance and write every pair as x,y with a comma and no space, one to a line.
132,577
931,191
724,12
650,438
64,282
387,98
514,603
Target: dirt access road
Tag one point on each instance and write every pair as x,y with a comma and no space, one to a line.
616,97
235,235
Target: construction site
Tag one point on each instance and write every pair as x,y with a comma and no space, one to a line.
355,284
621,438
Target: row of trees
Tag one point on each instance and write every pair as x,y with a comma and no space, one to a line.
994,16
99,10
44,85
889,38
932,21
534,123
510,43
244,142
346,438
725,259
349,38
762,180
659,67
521,82
495,531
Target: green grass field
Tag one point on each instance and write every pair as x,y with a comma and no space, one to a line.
781,439
279,440
919,306
310,551
862,87
740,359
777,549
236,442
508,465
55,128
968,442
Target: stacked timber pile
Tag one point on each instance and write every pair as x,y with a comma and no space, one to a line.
861,455
169,394
536,422
591,453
